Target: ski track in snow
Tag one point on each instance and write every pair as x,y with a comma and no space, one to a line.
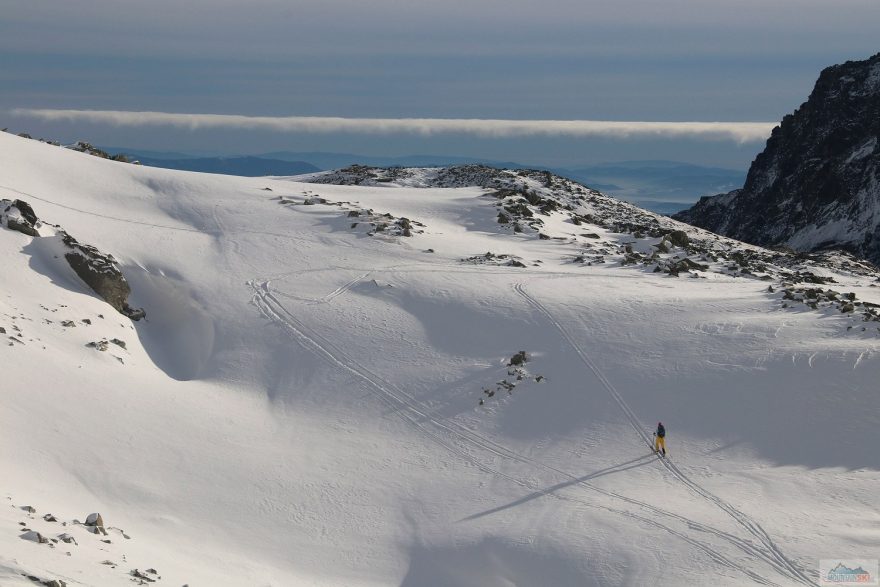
99,215
343,288
782,563
860,357
219,231
458,439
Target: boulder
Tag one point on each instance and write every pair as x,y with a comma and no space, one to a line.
94,520
679,238
518,359
67,538
19,216
102,274
34,537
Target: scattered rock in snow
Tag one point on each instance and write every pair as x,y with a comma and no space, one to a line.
67,538
47,582
34,536
148,576
491,258
95,524
678,238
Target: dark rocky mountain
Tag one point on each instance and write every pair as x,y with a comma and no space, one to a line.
816,185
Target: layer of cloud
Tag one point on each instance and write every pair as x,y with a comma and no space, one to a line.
739,132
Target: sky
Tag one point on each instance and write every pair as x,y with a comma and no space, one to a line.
305,61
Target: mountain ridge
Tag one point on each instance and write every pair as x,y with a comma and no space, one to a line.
816,185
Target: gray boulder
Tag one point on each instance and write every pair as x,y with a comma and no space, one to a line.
102,274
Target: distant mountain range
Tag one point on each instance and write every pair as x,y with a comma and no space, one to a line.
661,186
246,166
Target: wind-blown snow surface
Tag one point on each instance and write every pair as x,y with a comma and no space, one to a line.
301,405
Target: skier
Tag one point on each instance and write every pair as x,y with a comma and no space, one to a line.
660,439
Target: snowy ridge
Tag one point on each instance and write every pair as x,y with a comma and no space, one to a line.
305,402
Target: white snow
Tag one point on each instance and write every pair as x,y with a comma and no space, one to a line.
301,404
861,152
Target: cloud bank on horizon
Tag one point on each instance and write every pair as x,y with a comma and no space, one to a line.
739,132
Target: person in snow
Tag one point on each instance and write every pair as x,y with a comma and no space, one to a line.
660,439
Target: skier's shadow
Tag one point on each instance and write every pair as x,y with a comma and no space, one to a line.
619,468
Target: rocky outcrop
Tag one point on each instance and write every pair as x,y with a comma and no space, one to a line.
18,215
816,185
102,274
98,270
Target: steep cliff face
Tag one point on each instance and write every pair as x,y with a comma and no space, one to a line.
817,183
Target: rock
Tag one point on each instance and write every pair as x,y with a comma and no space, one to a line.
50,518
67,538
679,238
47,582
34,537
518,359
102,274
143,576
94,520
19,216
29,509
117,342
26,212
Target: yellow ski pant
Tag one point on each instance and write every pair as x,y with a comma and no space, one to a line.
659,443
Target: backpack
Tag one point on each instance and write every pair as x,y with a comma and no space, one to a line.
661,431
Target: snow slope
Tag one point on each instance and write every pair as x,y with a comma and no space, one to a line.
302,404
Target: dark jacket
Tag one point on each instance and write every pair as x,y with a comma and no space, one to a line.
661,431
